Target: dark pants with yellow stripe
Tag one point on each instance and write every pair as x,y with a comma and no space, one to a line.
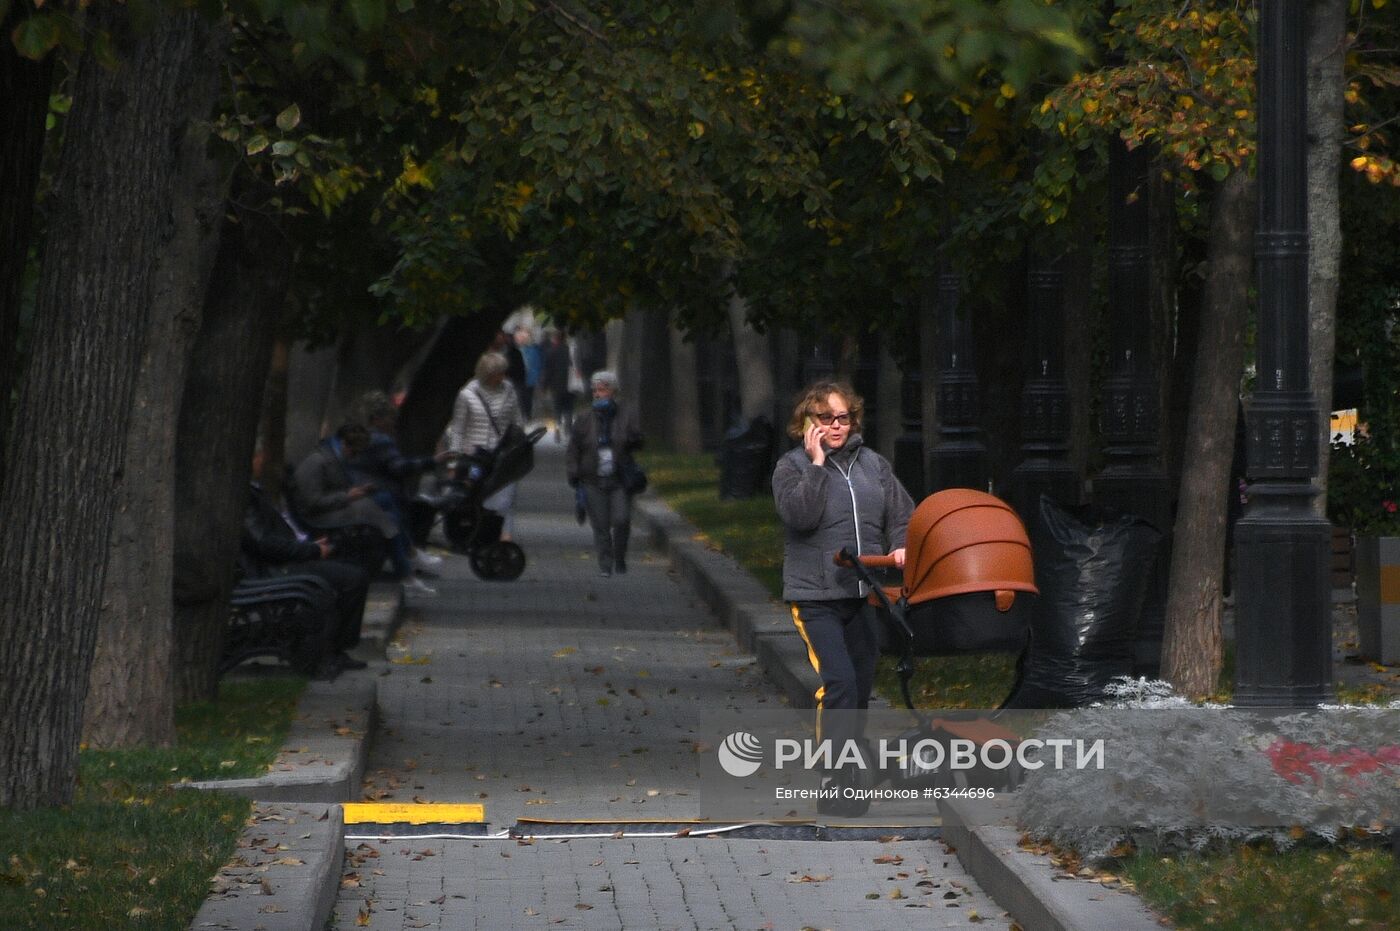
842,647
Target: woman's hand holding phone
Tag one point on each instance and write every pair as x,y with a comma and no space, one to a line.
812,437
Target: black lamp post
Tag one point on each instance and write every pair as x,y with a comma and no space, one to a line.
1283,632
960,458
1132,480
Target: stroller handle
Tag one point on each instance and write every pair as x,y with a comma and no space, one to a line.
844,558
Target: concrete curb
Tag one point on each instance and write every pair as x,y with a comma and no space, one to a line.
323,759
1027,885
383,612
761,625
1022,883
285,875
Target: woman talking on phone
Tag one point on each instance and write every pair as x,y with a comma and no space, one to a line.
833,492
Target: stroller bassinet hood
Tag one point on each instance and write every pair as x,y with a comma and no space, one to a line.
961,540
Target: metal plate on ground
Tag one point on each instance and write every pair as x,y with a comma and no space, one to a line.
765,831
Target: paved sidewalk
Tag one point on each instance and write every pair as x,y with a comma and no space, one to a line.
564,696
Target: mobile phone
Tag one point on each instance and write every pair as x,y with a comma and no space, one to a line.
807,424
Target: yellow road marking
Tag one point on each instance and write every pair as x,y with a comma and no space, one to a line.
390,813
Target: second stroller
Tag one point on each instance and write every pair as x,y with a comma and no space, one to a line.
471,527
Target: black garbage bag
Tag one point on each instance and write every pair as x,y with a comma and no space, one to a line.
744,458
1092,568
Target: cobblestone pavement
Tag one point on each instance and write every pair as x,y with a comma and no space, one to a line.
563,696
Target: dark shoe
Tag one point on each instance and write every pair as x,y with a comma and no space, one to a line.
327,670
349,662
620,567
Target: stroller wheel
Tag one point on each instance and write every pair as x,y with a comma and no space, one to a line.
500,562
459,526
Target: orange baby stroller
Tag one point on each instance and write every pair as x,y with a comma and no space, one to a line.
968,587
969,581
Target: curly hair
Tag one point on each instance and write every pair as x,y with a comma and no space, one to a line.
812,401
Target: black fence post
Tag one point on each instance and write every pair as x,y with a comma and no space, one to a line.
1045,413
1132,480
960,458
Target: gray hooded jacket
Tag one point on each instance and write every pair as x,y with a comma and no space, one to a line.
853,501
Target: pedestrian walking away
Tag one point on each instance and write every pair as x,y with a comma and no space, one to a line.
599,460
834,493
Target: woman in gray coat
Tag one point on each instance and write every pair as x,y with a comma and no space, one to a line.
833,492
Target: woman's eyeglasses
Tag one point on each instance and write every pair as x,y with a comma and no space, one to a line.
829,418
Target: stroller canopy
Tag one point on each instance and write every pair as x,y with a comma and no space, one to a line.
961,540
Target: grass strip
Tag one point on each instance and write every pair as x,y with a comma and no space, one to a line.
131,851
1251,888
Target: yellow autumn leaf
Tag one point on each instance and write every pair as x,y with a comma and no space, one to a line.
1007,90
565,651
1091,106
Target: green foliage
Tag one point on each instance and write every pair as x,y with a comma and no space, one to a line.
132,851
634,153
889,47
1181,79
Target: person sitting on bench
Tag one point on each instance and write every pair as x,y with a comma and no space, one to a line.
272,546
391,472
326,497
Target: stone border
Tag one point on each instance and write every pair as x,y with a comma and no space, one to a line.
323,758
285,875
1026,884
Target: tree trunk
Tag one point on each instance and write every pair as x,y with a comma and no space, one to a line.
110,220
1173,322
615,334
310,375
755,362
1327,23
427,409
24,105
215,436
1192,643
272,427
685,393
629,360
368,360
653,403
130,699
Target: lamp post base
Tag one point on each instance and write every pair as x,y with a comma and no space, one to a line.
1283,629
